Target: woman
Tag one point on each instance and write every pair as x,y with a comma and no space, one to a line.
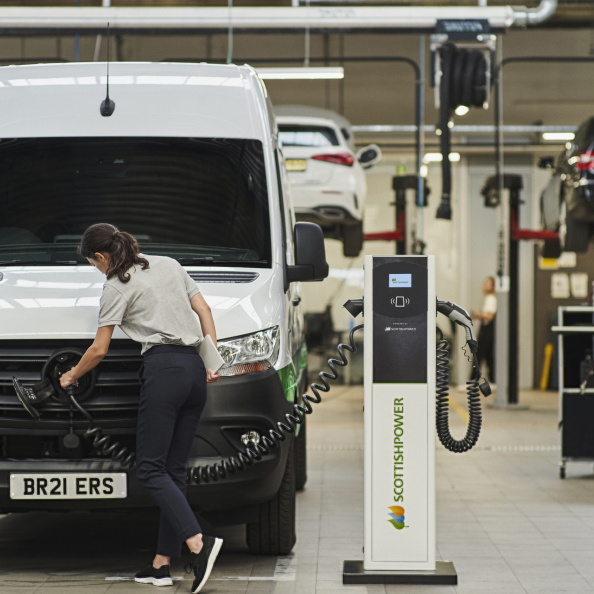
486,337
153,300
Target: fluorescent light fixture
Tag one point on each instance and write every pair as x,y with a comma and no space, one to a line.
302,73
437,158
558,135
461,110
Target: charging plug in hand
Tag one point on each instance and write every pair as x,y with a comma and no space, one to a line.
67,379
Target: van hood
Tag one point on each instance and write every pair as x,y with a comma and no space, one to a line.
38,302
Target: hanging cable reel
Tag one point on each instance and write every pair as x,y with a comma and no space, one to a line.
464,79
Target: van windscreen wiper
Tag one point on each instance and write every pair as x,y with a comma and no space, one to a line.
40,263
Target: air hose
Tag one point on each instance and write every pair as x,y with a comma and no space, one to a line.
254,453
104,442
442,408
463,82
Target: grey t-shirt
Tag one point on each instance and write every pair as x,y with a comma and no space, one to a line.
153,307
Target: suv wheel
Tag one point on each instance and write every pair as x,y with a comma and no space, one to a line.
352,239
274,534
301,457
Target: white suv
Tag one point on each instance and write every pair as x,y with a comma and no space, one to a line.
326,175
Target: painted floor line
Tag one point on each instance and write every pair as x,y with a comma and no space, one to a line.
284,571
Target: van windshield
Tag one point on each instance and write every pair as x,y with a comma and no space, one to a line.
180,197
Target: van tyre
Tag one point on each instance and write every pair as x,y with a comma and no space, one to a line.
577,235
551,248
352,239
300,457
274,534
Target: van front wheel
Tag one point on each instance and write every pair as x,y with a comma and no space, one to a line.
274,534
300,456
352,239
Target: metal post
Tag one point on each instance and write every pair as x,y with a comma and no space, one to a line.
503,224
420,133
77,42
514,290
400,209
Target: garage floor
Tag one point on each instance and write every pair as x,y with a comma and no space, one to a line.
505,519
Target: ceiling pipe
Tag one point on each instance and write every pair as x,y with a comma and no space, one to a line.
16,20
534,16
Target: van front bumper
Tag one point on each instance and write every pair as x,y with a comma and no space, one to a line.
234,405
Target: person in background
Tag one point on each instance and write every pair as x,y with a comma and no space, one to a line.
486,335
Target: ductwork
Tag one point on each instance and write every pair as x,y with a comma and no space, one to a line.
534,16
62,20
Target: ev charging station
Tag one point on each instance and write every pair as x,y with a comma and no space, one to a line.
399,416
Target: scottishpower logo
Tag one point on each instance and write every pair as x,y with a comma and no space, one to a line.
397,517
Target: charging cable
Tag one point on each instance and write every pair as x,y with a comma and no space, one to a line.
255,452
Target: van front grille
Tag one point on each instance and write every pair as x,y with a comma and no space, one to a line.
224,277
115,396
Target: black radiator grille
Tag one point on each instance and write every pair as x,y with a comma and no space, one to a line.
224,277
115,395
21,447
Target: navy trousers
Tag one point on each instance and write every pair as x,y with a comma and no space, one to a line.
172,398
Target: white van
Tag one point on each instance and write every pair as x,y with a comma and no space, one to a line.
189,164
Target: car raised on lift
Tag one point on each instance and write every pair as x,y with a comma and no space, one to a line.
567,203
326,174
196,174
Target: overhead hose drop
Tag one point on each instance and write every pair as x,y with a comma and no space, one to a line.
463,82
443,402
254,453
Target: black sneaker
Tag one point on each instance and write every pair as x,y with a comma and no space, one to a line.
203,562
157,577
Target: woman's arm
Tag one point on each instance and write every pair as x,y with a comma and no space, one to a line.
200,306
91,358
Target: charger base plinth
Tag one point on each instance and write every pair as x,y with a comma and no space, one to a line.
444,575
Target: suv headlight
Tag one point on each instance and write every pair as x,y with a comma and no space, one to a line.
250,353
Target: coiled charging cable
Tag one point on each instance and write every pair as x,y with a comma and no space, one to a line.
443,404
254,453
104,442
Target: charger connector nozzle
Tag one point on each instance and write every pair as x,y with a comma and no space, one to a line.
485,388
354,307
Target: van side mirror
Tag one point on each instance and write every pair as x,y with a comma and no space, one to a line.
310,254
368,156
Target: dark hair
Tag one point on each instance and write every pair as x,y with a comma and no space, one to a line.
120,246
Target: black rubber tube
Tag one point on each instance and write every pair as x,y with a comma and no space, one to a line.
442,407
463,82
447,52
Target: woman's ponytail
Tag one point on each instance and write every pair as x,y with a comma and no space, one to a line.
121,247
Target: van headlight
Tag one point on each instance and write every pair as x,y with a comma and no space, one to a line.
250,353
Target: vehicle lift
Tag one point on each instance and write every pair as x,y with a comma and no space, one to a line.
401,183
507,370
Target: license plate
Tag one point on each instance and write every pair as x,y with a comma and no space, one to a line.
96,485
296,164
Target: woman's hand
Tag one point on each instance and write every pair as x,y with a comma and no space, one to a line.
68,378
212,377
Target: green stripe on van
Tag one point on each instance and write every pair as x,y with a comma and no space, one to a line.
288,378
